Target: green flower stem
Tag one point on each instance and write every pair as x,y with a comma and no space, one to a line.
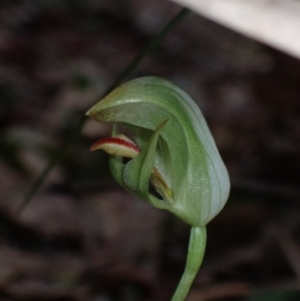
195,255
76,131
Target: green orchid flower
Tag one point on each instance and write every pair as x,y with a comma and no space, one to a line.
170,148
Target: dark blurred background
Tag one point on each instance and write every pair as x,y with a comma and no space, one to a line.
84,238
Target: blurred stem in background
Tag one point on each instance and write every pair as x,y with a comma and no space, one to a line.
77,129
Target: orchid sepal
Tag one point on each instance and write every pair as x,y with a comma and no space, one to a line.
137,172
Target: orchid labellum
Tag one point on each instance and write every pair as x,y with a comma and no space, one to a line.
171,148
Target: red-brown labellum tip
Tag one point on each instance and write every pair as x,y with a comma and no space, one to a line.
116,146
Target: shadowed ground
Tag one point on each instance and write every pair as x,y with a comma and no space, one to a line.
82,237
